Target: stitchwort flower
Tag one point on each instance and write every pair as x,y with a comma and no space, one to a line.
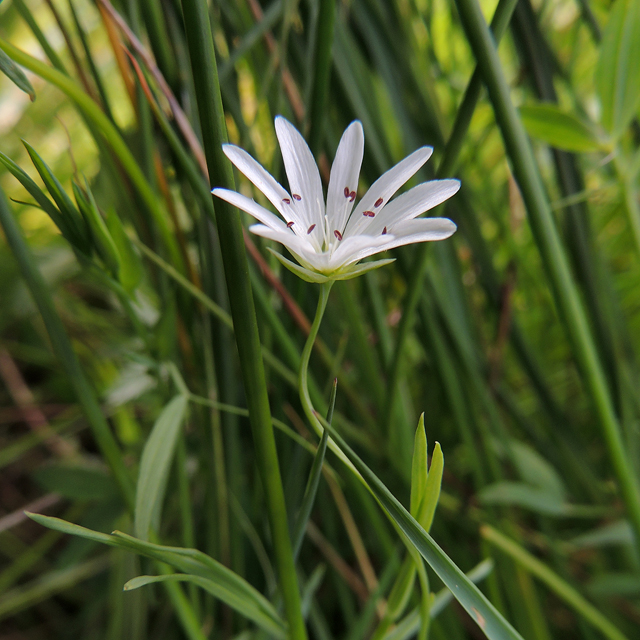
329,241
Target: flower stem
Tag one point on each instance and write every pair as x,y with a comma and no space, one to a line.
303,381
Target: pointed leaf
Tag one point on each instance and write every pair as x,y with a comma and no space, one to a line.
101,237
272,624
155,464
432,490
40,197
190,561
73,219
16,75
130,272
419,468
475,603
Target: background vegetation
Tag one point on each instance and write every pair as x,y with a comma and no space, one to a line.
517,338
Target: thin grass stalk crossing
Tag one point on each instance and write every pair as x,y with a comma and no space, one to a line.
211,116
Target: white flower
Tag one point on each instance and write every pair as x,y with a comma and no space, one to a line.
329,241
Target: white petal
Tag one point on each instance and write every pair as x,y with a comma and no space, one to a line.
357,247
411,204
421,230
271,188
303,176
302,249
252,208
343,181
384,187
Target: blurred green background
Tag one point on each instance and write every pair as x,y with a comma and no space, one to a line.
517,338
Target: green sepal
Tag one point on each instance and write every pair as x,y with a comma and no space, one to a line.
344,273
102,240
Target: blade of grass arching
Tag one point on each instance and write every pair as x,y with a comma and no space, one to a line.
562,589
97,78
321,73
64,351
313,481
468,595
552,252
266,623
211,116
104,126
233,589
49,51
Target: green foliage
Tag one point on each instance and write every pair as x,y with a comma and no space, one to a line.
149,344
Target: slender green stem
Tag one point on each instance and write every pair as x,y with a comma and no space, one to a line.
214,134
550,247
303,377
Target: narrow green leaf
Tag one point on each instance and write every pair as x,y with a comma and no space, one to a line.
432,490
475,603
16,75
102,240
155,464
73,219
190,561
131,271
40,197
562,130
419,468
271,624
618,72
410,624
